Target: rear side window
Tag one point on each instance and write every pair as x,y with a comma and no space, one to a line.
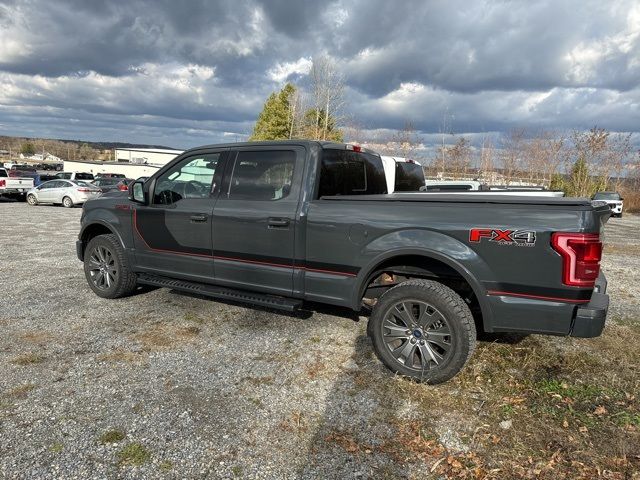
84,176
262,175
344,172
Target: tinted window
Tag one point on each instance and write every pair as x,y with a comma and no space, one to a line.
262,175
84,176
409,177
48,185
344,172
606,196
191,178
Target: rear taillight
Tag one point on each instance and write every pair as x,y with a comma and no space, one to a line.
581,254
3,183
83,189
123,188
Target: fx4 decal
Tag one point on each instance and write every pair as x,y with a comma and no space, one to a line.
519,238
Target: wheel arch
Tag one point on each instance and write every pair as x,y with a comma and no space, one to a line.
425,260
96,228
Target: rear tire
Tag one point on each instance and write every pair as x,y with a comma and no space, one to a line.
107,268
67,202
32,200
423,330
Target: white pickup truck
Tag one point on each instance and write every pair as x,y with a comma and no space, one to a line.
14,187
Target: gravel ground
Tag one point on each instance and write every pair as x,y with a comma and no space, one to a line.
165,385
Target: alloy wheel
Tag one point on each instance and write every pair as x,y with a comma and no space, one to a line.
102,268
417,335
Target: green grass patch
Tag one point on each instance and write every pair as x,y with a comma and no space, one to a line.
112,436
133,454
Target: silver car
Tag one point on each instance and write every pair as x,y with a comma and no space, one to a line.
65,192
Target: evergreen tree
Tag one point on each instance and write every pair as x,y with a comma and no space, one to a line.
275,119
27,149
314,121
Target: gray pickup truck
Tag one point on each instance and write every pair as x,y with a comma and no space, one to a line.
278,224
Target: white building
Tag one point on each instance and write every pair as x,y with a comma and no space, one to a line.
145,156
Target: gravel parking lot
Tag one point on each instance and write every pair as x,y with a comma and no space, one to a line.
163,384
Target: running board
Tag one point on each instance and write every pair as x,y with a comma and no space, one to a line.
222,293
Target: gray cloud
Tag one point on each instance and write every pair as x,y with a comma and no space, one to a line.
187,72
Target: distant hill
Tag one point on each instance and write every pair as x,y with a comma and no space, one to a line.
96,145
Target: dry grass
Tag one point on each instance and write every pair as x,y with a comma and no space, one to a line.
28,359
38,337
164,336
22,391
121,356
571,406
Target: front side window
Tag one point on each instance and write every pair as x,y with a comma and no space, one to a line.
344,172
191,178
262,175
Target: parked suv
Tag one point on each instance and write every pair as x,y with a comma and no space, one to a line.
279,224
613,199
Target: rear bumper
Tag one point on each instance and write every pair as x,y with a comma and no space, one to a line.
589,319
550,317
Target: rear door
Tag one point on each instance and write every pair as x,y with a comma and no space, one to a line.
255,218
173,233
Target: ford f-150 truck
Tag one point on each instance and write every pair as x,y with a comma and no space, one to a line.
277,224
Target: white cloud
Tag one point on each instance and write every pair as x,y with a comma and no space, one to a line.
282,71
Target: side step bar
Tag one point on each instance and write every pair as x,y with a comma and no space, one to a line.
222,293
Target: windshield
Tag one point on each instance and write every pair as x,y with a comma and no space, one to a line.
606,196
409,177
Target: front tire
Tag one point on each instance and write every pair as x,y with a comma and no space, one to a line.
107,268
32,200
67,202
423,330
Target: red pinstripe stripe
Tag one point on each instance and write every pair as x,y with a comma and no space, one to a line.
237,260
536,297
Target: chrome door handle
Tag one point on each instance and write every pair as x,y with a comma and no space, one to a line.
279,222
201,217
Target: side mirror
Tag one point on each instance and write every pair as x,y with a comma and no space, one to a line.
621,199
136,192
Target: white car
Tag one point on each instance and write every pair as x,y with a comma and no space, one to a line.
613,199
65,192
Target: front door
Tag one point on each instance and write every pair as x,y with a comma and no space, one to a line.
173,233
46,191
255,219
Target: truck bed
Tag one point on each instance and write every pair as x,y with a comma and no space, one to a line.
470,197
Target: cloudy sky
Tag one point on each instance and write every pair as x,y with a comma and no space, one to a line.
185,73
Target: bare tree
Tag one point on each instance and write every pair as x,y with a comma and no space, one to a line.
512,146
327,94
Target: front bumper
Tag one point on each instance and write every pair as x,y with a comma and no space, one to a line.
615,208
589,318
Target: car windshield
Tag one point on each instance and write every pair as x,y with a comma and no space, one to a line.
606,196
